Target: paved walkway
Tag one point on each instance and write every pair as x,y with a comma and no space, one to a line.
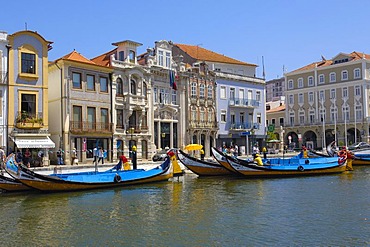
147,164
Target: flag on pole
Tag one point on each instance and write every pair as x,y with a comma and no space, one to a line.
173,78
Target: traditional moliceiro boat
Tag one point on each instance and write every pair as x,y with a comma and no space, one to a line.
89,180
202,167
11,185
278,167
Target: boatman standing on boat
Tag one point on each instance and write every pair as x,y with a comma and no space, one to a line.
134,158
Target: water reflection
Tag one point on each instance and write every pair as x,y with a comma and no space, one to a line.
323,210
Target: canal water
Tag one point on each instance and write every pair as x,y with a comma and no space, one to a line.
329,210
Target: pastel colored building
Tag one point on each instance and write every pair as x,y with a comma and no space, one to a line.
28,84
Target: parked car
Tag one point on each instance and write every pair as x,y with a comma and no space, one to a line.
359,145
160,155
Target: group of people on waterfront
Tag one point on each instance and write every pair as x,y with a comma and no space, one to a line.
233,150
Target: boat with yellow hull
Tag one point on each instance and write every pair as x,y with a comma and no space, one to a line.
90,180
202,167
9,184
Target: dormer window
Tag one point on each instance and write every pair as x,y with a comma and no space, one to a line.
160,58
28,63
121,56
168,59
132,56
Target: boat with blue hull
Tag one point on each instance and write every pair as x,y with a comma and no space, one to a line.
89,180
279,167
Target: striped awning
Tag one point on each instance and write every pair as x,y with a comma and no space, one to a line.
34,142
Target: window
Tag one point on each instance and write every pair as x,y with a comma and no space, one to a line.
232,118
322,96
291,99
311,114
174,97
344,75
119,90
281,121
145,90
121,56
193,114
322,114
291,118
290,84
104,84
333,113
345,110
259,118
201,90
210,92
104,118
210,115
168,59
160,58
28,63
155,95
357,91
223,116
76,80
332,77
241,118
90,82
133,87
28,104
119,124
300,98
345,92
258,96
273,121
223,92
193,89
321,79
161,96
332,93
357,74
358,111
310,97
310,81
91,117
301,117
232,94
77,116
300,82
132,56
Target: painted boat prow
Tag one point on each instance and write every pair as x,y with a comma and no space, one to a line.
202,167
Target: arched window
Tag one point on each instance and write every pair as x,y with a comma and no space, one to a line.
133,87
119,87
145,90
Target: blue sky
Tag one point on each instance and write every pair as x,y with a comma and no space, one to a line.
286,33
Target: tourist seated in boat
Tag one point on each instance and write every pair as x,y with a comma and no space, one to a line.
258,160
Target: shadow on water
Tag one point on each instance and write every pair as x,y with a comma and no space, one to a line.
197,212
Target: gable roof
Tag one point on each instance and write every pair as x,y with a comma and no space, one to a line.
104,59
202,54
353,56
77,57
276,109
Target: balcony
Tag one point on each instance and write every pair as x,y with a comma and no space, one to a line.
244,103
244,126
90,127
25,120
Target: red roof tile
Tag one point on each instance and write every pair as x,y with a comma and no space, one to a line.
75,56
104,59
354,55
202,54
276,109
